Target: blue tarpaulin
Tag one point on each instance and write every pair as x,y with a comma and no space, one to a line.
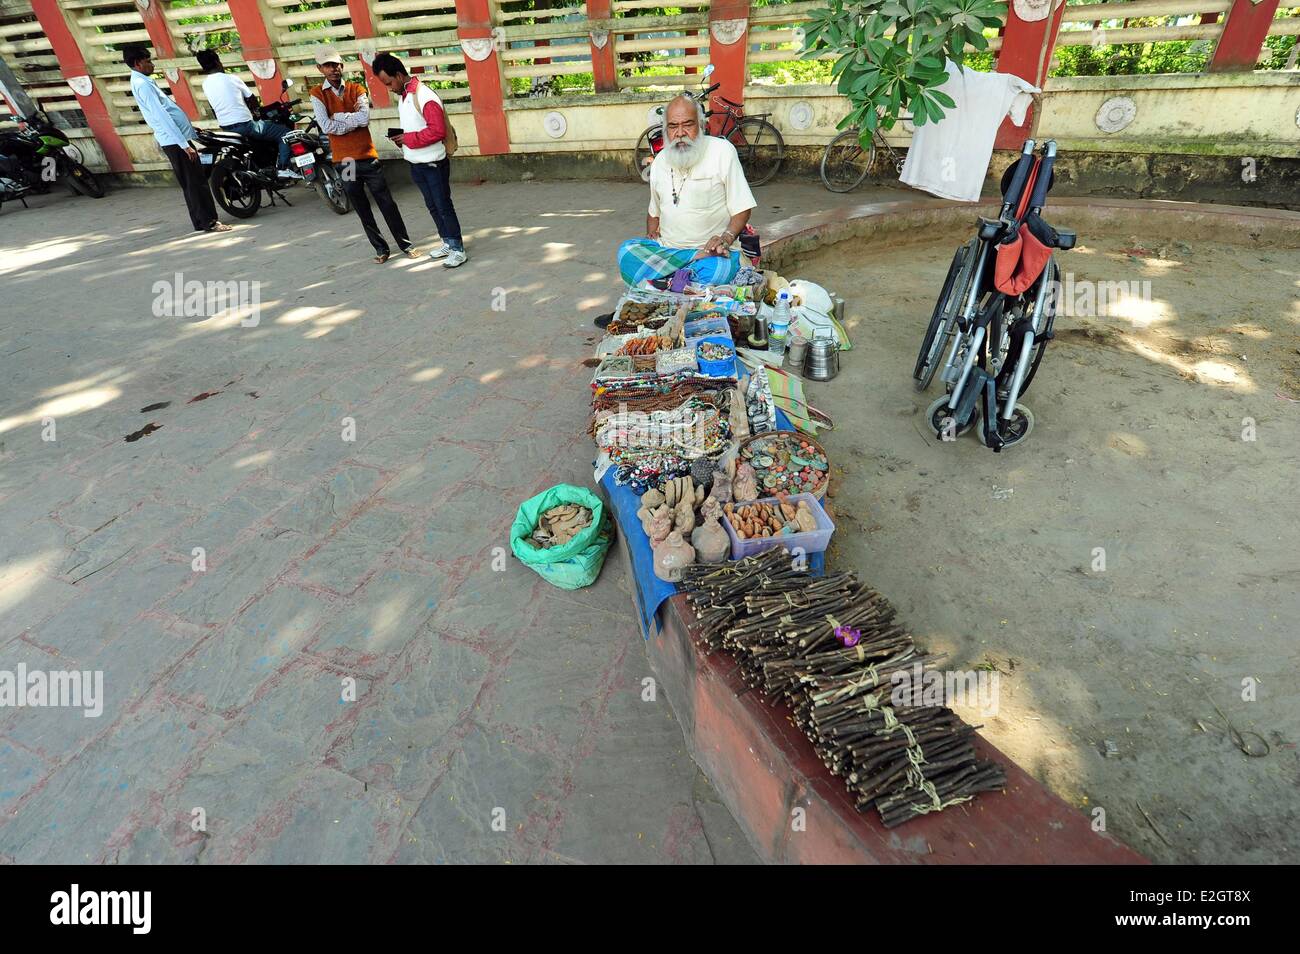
650,590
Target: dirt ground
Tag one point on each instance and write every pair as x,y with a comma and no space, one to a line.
1142,447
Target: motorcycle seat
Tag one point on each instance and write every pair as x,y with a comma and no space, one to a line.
223,135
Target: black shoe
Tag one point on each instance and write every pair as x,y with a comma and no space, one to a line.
602,321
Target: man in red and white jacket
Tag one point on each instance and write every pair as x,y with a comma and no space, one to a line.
424,131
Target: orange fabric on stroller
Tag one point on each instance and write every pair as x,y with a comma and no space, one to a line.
1021,261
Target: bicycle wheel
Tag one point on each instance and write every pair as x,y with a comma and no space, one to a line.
845,163
761,149
938,333
643,155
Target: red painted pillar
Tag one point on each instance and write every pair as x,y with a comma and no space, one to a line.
161,38
1027,52
603,70
72,64
363,28
256,41
729,59
1243,35
474,24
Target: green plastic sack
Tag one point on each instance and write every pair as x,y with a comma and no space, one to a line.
572,565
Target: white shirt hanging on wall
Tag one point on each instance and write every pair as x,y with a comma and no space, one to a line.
951,158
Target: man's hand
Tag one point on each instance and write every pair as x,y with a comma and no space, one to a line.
192,153
399,140
719,244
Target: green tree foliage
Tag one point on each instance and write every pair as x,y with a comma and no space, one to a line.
883,76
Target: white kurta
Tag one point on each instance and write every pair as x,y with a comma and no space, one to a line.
708,195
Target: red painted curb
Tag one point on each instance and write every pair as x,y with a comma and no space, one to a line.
764,768
799,234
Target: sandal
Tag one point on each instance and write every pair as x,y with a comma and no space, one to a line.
380,259
413,252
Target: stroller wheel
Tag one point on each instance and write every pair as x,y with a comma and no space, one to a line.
1013,430
939,415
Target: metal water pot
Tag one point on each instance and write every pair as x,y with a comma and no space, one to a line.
823,360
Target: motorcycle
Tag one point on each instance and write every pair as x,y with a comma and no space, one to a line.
243,169
38,154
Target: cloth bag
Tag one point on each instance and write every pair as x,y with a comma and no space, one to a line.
572,565
813,314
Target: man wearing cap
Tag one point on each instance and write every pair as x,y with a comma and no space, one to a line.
173,131
342,111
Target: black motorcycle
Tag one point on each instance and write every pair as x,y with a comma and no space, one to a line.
38,154
243,168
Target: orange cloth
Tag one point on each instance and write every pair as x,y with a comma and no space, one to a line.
357,144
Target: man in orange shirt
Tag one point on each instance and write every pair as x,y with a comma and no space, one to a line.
342,111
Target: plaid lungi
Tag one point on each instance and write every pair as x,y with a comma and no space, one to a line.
643,258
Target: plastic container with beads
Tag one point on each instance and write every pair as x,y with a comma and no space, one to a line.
721,367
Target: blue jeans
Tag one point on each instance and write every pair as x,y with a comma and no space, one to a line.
267,132
434,182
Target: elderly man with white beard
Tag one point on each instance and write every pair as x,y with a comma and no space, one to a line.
699,204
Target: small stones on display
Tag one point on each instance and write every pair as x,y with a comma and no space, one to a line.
636,314
714,351
786,463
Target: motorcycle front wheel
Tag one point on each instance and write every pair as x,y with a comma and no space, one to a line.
233,193
330,186
83,180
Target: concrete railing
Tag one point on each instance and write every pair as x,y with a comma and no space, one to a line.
483,59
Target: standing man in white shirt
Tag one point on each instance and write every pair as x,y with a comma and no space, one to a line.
173,131
424,145
232,101
699,204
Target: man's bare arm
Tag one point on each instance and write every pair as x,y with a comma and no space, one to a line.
652,227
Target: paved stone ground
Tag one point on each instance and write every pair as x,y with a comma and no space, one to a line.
326,559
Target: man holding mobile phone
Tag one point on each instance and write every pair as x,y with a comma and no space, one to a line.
427,141
342,111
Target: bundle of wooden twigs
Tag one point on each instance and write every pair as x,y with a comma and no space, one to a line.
895,755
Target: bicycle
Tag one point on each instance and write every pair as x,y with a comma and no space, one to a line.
845,163
758,143
997,308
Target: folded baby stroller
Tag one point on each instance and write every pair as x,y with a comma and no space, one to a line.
995,314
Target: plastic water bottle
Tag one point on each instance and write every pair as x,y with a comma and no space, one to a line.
779,327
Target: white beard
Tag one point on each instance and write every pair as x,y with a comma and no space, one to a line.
684,153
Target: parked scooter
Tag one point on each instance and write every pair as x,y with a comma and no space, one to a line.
38,154
243,168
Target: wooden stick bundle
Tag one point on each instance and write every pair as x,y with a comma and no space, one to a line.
829,648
